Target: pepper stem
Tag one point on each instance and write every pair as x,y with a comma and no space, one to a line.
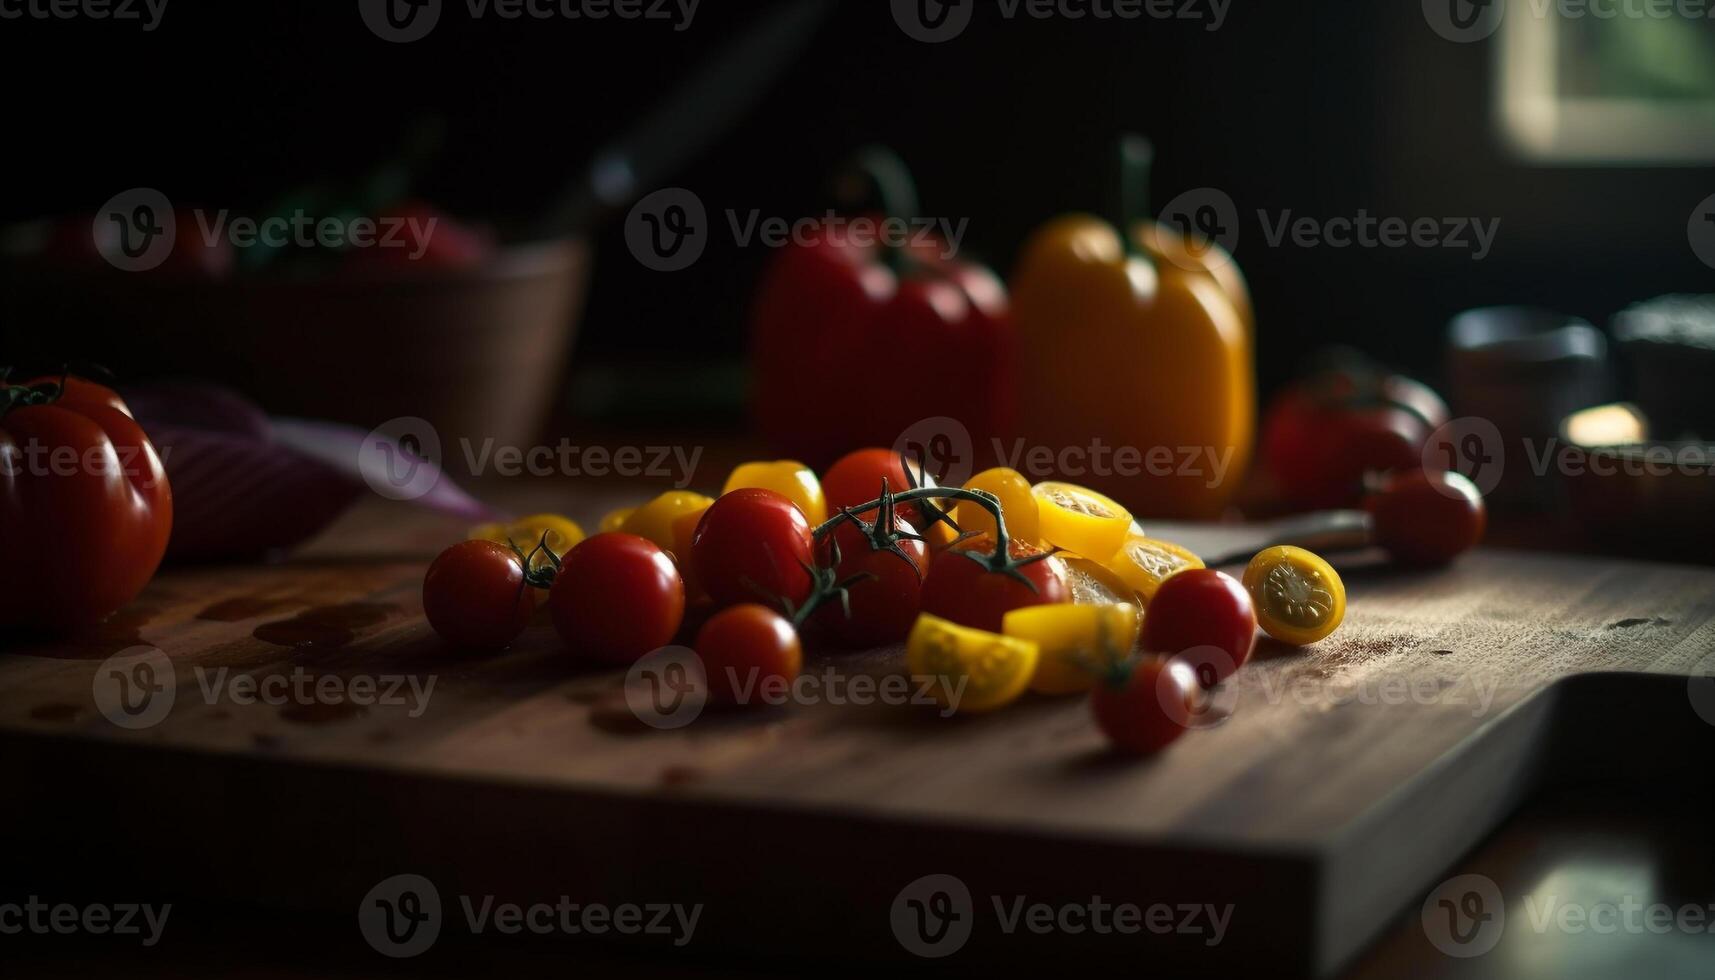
876,173
1136,162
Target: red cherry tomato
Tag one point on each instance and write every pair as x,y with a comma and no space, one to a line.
886,600
617,597
85,509
1146,707
1204,617
856,479
1323,435
749,652
965,592
475,595
1425,517
753,545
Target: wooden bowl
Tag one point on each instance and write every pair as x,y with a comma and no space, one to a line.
479,353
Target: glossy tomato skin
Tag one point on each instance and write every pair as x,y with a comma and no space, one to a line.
885,603
964,592
475,596
1146,708
85,508
1206,618
753,545
1426,517
617,597
856,479
749,652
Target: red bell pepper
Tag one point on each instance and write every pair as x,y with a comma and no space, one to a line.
856,337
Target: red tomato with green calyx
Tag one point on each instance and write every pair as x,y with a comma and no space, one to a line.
971,585
882,572
475,595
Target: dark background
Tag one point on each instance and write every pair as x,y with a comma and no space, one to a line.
1321,108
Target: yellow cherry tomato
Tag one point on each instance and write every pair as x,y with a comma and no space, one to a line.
655,520
968,671
1145,562
1076,643
1017,505
613,520
792,480
1081,520
562,534
1299,598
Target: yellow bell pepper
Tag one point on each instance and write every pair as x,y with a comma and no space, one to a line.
1150,357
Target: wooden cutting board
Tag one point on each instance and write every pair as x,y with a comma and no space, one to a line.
1348,777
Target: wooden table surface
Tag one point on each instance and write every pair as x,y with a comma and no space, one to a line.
1346,780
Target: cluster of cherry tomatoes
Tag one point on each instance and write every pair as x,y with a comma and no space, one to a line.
994,588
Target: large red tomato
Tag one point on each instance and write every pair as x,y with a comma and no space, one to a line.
85,509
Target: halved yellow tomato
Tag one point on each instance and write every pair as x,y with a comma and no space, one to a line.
1076,643
788,478
1145,562
1017,505
1299,598
1081,520
968,671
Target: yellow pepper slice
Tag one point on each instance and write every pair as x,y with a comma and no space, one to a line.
1299,598
1075,642
968,671
1017,505
1081,520
1145,562
788,478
